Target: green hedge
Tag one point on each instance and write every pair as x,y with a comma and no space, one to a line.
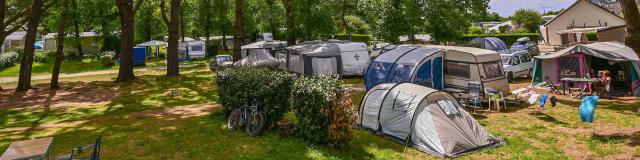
507,38
592,36
271,88
314,102
354,37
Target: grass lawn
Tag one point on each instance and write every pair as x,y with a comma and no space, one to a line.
139,121
66,67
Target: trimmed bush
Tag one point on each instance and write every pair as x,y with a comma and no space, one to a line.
108,58
592,36
507,38
8,59
272,89
322,116
43,56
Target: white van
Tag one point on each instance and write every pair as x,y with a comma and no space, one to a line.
355,58
517,64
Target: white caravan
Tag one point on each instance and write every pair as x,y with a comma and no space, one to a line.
355,58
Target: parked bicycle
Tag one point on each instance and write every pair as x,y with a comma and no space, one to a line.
249,116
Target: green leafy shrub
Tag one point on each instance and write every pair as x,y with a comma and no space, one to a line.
43,56
321,118
592,36
212,50
507,38
272,89
8,59
107,58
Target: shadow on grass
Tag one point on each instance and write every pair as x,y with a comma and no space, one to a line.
547,118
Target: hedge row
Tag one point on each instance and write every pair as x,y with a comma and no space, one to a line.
324,114
507,38
8,59
354,37
270,88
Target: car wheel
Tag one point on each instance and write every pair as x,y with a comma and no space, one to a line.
510,77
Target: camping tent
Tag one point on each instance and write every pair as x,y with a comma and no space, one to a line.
578,60
314,58
490,43
421,65
260,53
424,118
269,45
153,43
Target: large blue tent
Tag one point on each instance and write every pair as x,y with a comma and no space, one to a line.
413,64
490,43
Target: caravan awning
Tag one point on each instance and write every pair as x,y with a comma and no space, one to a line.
606,50
152,43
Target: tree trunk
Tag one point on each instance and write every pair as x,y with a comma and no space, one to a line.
24,80
288,8
125,73
344,21
60,45
632,17
239,29
76,28
172,52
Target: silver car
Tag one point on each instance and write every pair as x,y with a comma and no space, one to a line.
220,61
517,64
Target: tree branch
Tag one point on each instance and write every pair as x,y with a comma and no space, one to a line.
137,5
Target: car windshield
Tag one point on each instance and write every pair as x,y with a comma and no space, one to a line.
223,58
505,59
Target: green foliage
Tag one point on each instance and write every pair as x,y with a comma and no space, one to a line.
354,37
592,36
505,29
315,103
272,89
314,18
107,58
475,30
43,56
507,38
212,49
356,25
529,19
8,59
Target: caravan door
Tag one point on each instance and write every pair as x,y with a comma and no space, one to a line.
355,58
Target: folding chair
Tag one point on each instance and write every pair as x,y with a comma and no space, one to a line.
553,88
473,99
95,155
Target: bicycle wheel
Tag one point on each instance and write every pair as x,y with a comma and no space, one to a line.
256,123
234,121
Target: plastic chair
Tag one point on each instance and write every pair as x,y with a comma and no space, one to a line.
496,98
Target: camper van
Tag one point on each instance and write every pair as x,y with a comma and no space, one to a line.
465,64
191,50
324,58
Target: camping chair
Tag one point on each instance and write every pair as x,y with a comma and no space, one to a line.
472,99
95,155
553,88
496,98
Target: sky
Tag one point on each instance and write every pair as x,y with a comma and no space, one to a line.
507,7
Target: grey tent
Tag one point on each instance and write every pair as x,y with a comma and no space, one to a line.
258,58
424,118
271,46
314,58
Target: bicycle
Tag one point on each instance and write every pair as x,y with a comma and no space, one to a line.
250,116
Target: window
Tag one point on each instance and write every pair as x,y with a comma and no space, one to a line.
568,67
457,69
506,60
196,48
525,58
448,107
515,60
492,70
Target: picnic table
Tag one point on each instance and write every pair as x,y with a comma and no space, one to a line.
28,149
586,80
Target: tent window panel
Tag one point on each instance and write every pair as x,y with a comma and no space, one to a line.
403,101
457,69
377,73
448,107
402,73
196,48
324,66
492,70
424,75
568,67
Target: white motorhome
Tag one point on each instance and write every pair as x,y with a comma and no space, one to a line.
192,50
